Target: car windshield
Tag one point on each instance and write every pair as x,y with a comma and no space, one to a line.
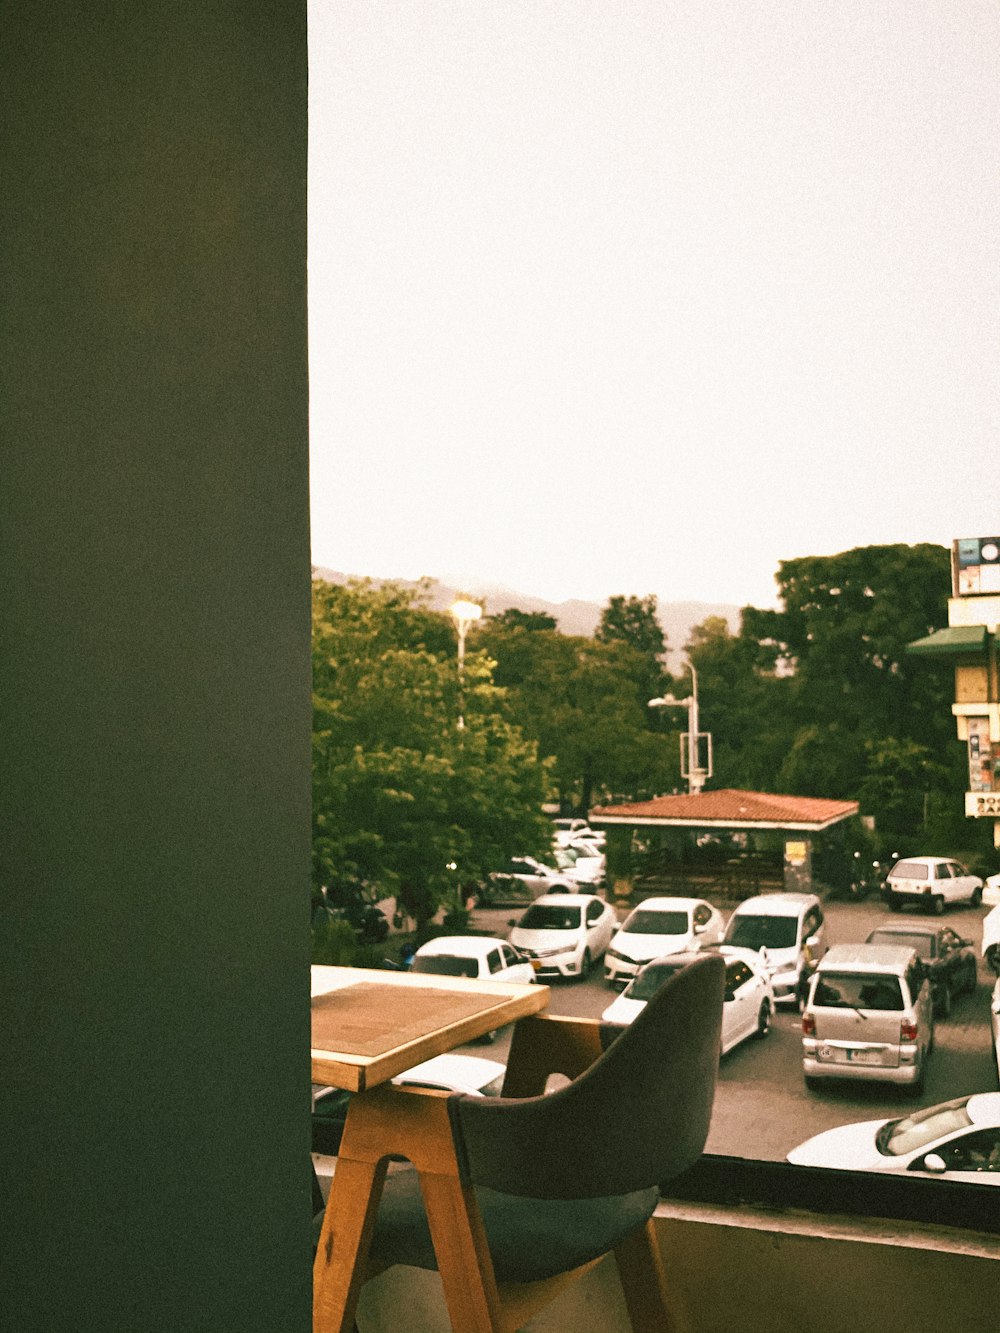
761,932
546,916
909,870
850,990
650,979
896,1138
447,965
646,921
922,943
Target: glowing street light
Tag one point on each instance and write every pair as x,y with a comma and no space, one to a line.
466,613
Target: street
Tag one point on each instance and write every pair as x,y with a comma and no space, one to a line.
762,1107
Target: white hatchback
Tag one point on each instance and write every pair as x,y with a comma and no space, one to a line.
563,933
932,882
478,956
660,926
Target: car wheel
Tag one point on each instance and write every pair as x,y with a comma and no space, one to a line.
764,1019
977,897
937,906
585,966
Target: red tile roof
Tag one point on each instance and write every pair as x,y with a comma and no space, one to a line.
730,807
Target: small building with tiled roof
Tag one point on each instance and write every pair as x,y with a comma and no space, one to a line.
798,819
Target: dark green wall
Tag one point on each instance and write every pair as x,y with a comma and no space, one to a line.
154,668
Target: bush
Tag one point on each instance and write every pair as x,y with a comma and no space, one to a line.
333,943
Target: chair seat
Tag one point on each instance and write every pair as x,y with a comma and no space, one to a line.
528,1239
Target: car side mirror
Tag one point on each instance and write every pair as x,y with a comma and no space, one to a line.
934,1163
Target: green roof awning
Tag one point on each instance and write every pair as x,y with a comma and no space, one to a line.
953,642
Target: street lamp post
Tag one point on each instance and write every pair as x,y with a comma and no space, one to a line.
465,613
696,775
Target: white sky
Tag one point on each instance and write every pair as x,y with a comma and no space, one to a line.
629,297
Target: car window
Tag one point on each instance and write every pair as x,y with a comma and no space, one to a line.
494,961
446,965
919,940
897,1138
748,931
909,870
547,916
843,990
737,975
979,1151
650,979
943,871
644,921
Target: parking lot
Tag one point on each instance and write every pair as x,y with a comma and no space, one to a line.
762,1108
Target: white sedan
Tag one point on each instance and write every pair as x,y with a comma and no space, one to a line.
661,926
957,1140
747,1008
564,933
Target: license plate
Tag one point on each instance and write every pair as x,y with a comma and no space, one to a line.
863,1057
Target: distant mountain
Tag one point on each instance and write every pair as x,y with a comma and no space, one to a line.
572,617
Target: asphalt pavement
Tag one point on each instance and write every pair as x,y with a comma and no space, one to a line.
762,1107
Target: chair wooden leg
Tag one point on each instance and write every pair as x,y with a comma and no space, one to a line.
463,1255
644,1282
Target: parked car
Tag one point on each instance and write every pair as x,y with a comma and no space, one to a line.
478,956
525,878
568,829
991,890
748,1005
471,1074
868,1015
660,926
584,868
990,947
948,959
786,929
956,1140
931,882
565,933
995,1023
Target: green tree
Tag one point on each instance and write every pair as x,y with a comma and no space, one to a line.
400,794
634,621
513,618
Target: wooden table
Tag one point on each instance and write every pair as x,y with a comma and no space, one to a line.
368,1026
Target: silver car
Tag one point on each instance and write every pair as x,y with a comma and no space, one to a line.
868,1015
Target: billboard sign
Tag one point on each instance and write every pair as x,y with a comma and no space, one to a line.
975,566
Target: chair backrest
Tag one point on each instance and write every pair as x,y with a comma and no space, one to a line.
638,1116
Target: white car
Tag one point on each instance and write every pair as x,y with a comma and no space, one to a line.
471,1074
568,829
931,881
990,947
991,890
477,956
584,867
660,926
995,1023
786,929
957,1140
565,933
524,877
747,1008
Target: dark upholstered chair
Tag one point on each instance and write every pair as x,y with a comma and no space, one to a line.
543,1186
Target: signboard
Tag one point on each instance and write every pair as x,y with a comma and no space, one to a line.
975,566
981,757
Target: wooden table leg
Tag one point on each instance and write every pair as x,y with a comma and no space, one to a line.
342,1253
